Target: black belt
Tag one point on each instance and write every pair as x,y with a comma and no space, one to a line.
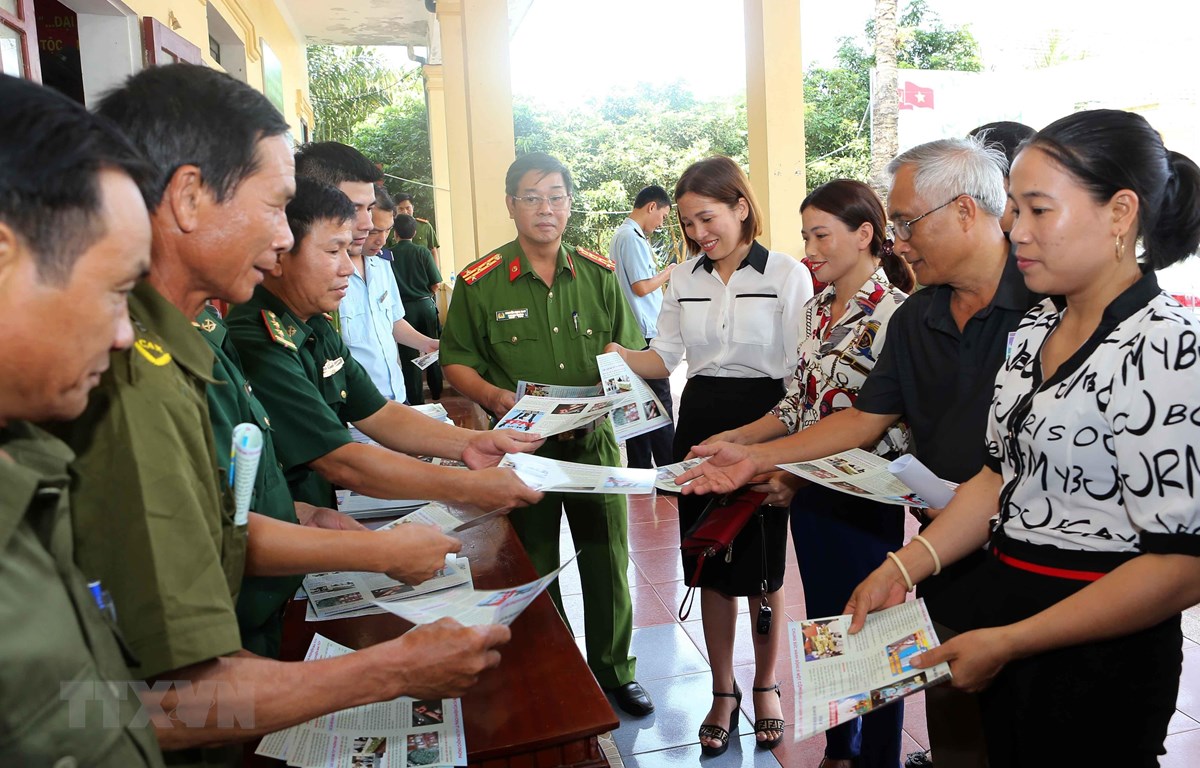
577,433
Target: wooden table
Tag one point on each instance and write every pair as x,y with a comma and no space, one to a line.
540,707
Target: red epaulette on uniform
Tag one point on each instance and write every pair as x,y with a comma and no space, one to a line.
479,269
596,258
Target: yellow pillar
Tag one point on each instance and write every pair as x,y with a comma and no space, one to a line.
775,118
439,151
479,122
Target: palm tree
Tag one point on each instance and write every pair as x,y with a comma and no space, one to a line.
885,103
347,84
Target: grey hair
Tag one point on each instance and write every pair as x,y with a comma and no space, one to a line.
949,167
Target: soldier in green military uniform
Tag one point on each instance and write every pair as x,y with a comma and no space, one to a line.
147,474
312,386
425,236
231,401
73,237
417,277
537,311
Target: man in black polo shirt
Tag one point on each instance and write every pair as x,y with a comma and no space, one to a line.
938,367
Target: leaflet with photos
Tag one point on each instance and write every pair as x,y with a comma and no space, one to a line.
838,676
475,607
572,477
399,733
864,474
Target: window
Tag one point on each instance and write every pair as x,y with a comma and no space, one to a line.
18,40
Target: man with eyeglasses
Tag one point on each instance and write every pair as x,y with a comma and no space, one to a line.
537,311
944,347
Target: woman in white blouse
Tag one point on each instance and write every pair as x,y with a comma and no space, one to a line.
840,538
734,311
1093,471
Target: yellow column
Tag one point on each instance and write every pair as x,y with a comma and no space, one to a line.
439,151
479,122
775,117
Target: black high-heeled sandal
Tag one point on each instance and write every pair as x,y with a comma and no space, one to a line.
716,731
768,724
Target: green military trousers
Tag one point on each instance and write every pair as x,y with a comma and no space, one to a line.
421,315
600,531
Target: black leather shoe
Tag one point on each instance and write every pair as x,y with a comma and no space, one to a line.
632,699
918,760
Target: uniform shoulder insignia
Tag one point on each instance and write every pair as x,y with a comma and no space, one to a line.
479,268
276,330
423,221
596,258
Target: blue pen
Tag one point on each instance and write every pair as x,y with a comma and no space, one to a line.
103,600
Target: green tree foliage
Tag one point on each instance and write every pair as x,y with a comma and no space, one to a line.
618,145
347,84
397,137
836,128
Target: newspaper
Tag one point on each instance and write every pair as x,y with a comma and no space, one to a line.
838,676
426,360
474,607
570,477
859,472
553,415
399,733
334,593
642,411
920,478
665,480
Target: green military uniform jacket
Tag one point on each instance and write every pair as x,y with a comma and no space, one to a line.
310,385
59,650
153,518
425,235
231,401
509,325
415,270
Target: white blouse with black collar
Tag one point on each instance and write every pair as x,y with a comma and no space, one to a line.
745,329
1105,454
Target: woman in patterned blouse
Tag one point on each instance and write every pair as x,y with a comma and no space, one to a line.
840,538
1092,473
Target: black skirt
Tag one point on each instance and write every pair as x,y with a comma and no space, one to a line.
1054,705
710,405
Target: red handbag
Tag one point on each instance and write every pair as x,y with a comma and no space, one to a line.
722,520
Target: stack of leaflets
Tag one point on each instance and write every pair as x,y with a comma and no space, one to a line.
399,733
838,676
336,594
343,594
622,396
903,481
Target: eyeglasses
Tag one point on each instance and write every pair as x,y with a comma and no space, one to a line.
534,202
902,230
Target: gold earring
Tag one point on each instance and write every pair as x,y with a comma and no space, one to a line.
1120,247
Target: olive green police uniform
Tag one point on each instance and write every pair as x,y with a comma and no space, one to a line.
506,324
425,236
231,401
415,271
152,512
308,382
58,648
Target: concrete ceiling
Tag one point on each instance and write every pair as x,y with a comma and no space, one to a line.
374,22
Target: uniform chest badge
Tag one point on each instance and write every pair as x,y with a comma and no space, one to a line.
332,366
152,352
511,314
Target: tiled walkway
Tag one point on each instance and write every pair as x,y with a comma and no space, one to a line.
674,669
